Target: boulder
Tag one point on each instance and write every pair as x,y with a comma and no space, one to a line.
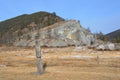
109,46
100,47
22,43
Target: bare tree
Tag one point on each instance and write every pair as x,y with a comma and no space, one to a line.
40,68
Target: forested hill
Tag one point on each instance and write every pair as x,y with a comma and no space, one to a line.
114,36
15,27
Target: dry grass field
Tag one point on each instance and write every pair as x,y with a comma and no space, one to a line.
62,64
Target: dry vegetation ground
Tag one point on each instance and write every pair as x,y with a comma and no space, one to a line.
62,64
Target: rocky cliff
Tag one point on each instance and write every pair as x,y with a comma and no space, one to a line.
64,33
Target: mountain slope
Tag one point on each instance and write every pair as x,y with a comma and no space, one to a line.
12,29
114,36
53,31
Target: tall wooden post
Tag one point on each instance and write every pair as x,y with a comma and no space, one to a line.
40,69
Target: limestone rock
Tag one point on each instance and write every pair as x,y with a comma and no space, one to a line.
22,43
56,43
109,46
100,47
65,33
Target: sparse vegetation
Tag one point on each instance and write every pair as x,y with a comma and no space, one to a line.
101,36
61,64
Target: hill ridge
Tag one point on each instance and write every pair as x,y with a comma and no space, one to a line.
15,27
114,36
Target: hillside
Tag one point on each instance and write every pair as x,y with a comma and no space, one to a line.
54,31
114,36
64,33
12,29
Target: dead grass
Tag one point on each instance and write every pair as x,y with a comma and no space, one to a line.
62,64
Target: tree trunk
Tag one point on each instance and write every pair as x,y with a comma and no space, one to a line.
40,69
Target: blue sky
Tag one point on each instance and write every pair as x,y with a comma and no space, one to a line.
98,15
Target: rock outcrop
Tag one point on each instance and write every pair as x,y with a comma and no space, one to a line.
108,46
64,33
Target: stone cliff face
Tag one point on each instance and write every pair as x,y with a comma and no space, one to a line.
65,33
